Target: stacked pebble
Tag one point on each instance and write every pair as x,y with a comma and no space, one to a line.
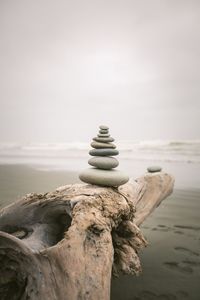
103,163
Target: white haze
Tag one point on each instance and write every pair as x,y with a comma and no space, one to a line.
68,66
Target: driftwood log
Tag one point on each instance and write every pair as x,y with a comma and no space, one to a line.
66,244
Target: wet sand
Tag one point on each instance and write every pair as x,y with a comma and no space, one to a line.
171,262
19,180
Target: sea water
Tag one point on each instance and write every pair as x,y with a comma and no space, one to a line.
178,157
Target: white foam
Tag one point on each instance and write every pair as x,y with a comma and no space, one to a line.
160,150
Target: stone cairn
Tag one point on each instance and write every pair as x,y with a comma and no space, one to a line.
103,163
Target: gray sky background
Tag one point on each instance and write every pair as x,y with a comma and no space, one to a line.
68,66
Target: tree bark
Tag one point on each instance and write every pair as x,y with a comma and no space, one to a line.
67,244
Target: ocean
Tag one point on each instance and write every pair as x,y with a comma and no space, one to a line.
180,158
186,151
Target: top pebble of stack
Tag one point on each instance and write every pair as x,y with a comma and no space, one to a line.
104,127
103,163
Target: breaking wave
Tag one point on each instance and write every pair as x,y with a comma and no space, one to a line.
159,150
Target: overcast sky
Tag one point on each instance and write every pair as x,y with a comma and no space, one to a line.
68,66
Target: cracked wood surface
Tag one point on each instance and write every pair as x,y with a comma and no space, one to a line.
67,244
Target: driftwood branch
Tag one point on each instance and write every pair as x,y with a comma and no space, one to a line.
66,244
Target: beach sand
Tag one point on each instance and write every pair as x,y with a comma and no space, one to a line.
171,262
19,180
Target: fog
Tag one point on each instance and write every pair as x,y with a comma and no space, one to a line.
68,66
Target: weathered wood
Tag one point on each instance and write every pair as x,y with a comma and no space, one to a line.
66,244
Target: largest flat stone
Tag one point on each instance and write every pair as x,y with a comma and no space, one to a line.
104,177
104,152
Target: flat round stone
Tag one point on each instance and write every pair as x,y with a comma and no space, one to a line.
99,145
104,131
104,152
103,135
103,162
153,169
104,127
103,140
113,178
